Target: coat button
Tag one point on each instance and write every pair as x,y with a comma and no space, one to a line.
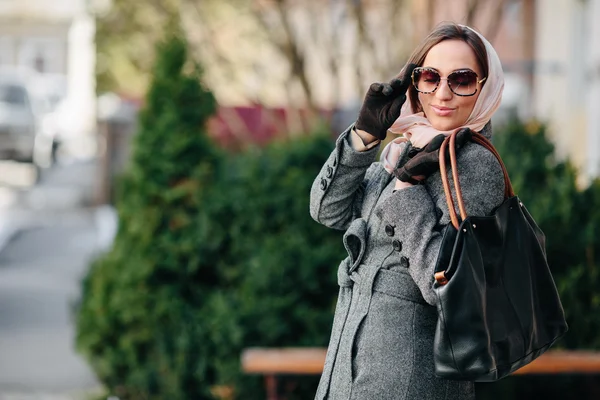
404,262
389,230
397,245
323,184
329,172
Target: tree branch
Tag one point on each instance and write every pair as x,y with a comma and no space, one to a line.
472,6
296,58
496,20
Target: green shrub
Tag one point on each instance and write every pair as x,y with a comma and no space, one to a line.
140,320
214,253
282,264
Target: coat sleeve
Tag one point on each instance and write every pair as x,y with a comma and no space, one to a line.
413,212
337,192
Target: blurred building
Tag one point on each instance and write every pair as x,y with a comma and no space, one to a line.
53,38
566,86
550,51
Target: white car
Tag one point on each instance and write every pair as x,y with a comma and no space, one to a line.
17,122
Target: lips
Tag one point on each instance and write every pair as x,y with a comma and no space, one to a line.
442,111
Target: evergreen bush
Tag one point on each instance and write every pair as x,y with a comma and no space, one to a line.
282,264
214,253
140,320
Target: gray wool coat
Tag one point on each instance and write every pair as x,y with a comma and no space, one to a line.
381,344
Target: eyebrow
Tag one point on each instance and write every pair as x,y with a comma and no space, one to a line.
455,70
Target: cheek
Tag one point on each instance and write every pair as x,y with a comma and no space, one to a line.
467,105
423,99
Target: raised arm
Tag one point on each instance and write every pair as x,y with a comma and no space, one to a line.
337,192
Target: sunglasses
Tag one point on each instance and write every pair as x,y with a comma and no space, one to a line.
462,82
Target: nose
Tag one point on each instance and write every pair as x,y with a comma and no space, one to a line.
443,91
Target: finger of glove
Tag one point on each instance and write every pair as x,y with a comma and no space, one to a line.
408,70
405,176
402,82
422,158
424,169
396,84
400,86
376,87
435,143
395,108
388,89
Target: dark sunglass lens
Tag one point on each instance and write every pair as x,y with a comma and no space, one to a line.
463,82
426,80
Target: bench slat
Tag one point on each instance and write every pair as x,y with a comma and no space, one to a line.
300,361
562,362
310,361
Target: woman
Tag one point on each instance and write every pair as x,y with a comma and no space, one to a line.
393,212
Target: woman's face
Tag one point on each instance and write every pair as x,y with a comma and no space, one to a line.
444,109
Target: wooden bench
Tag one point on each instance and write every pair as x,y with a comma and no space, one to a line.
272,362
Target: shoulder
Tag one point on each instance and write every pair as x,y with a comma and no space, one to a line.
481,180
477,161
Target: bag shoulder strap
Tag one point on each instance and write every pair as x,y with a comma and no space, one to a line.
451,142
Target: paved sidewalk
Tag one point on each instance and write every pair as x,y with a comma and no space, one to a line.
48,236
46,396
40,273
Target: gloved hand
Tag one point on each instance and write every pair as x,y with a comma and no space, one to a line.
382,104
426,161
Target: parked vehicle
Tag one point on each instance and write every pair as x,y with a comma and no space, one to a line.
17,122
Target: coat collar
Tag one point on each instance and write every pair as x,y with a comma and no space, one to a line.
487,130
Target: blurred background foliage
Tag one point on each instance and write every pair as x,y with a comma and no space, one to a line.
311,54
216,251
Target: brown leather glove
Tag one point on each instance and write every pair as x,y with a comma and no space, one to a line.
382,104
427,161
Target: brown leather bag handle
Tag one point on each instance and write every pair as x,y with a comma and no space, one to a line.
440,276
451,141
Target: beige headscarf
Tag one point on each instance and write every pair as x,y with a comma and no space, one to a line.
416,128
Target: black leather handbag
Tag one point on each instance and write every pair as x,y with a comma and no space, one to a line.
498,307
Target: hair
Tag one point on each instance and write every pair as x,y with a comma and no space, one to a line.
446,31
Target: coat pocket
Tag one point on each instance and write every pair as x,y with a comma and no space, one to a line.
355,241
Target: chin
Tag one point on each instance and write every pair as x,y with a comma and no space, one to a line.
445,125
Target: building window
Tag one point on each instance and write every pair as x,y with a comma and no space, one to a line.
42,54
7,50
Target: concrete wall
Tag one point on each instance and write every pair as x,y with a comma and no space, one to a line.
593,89
42,9
566,40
